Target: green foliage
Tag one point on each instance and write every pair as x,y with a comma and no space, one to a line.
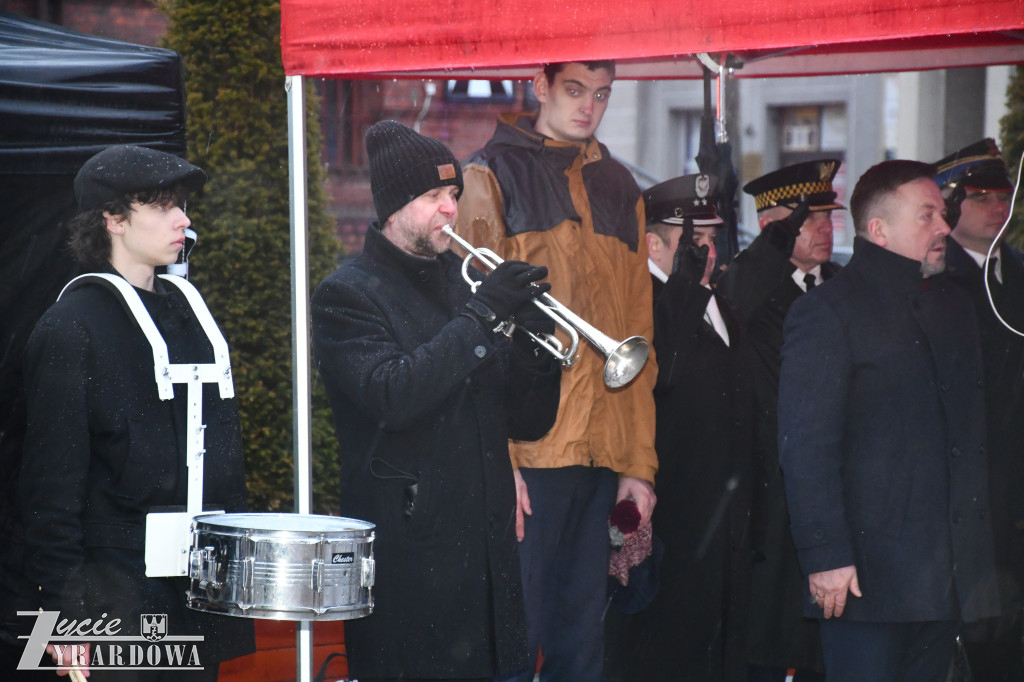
238,132
1012,146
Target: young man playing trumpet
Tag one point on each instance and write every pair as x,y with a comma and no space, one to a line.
426,391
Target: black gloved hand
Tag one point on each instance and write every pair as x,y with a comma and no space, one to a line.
533,319
503,292
690,260
782,233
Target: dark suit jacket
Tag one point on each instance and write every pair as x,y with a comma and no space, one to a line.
759,286
656,286
704,405
1002,353
882,437
697,621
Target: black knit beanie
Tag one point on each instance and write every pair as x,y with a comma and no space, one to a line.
404,165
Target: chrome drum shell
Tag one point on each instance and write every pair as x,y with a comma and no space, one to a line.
282,566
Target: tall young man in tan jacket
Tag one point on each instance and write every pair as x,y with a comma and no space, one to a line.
544,190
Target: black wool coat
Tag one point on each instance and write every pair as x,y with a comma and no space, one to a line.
697,620
424,403
760,287
102,449
1002,353
882,441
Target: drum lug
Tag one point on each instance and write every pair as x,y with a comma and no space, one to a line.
317,576
368,574
203,567
248,574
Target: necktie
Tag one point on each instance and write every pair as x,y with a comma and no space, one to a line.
993,276
810,280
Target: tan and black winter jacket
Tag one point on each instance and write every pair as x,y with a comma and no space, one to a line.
574,209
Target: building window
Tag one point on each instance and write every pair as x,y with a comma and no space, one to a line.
347,109
480,91
685,135
818,132
801,129
813,129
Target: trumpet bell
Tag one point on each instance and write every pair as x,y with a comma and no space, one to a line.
626,361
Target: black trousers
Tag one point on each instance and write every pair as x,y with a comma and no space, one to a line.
994,649
564,558
887,652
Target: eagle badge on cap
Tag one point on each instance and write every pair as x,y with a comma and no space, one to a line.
702,185
825,171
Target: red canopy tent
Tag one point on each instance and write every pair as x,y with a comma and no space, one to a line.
652,39
649,39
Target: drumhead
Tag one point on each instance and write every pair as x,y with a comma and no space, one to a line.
286,523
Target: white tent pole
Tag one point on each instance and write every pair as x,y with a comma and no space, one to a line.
294,87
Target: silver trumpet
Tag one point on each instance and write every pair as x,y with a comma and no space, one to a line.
624,359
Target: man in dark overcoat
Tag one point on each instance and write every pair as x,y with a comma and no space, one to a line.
695,627
977,190
882,442
791,254
426,391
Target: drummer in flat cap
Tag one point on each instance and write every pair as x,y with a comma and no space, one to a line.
102,448
975,185
695,622
789,256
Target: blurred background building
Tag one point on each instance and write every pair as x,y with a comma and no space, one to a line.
652,126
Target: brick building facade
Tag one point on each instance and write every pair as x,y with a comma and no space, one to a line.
460,119
349,107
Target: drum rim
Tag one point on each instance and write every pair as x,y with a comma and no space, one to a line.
226,608
317,523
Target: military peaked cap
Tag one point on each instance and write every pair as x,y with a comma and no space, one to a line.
978,166
788,185
688,196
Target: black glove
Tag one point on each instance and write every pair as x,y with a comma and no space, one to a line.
782,233
533,319
505,291
690,260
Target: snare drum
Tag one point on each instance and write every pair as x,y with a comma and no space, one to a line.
282,566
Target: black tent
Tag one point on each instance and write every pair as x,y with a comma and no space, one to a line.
63,97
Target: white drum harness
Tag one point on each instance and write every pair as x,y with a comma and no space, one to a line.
168,534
